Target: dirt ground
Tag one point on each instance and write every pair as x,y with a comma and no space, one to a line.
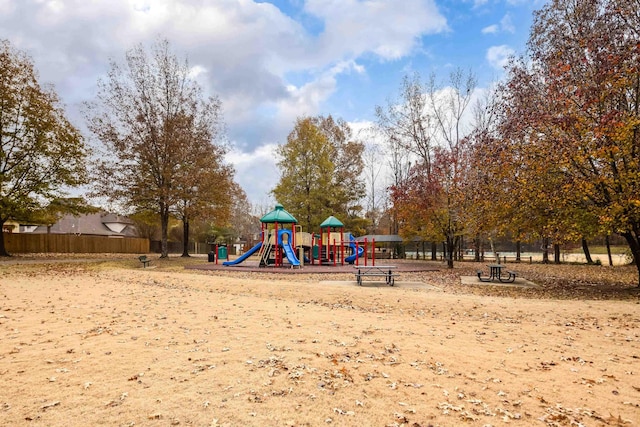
119,345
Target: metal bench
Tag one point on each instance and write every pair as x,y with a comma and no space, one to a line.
144,260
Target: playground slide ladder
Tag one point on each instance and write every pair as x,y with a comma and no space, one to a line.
264,254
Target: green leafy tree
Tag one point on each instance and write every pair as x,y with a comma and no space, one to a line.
154,121
321,168
41,153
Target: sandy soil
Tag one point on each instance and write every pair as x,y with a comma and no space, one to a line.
129,347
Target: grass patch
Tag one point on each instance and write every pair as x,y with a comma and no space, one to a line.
601,250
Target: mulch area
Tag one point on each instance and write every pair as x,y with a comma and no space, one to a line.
401,266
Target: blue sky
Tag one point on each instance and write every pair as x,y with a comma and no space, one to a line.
272,61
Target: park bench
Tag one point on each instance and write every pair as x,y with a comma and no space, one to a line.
385,271
144,260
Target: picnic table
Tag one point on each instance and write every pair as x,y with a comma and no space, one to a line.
385,271
495,273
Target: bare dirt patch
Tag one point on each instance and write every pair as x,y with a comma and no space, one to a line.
128,346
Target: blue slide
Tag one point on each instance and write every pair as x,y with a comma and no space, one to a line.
244,256
288,250
351,259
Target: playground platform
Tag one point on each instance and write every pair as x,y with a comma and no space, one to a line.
402,266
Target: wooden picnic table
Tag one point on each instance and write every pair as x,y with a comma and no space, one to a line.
495,273
385,271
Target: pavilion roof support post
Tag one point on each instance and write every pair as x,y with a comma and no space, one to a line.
373,251
365,251
342,245
277,246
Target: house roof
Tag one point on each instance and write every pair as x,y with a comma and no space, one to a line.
108,218
332,221
389,238
97,224
279,215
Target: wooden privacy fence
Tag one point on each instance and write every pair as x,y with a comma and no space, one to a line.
71,243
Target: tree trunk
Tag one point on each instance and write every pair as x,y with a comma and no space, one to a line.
585,249
3,249
633,240
518,251
450,249
545,250
164,230
608,244
185,237
434,251
556,253
493,249
476,249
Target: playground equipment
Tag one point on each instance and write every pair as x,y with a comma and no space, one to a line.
278,242
357,251
333,246
283,243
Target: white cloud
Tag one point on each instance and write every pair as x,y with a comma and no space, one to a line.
498,56
507,24
354,27
240,50
256,171
307,99
491,29
6,6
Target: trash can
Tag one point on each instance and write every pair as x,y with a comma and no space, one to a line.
212,256
222,252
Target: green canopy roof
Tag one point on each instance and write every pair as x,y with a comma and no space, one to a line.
332,221
279,215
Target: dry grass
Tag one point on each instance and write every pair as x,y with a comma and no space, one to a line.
110,343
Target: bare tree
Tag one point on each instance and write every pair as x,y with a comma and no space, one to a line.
429,122
151,118
373,164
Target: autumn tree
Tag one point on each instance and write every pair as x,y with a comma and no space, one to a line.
41,153
160,137
320,168
204,183
575,100
239,223
479,187
430,123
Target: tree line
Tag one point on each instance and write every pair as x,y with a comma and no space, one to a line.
551,152
160,151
